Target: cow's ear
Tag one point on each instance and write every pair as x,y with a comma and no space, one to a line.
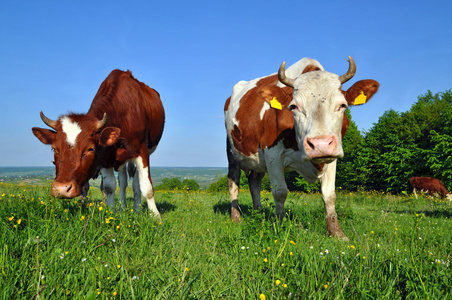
46,136
109,136
361,92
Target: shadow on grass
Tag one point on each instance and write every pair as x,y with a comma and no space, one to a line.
164,207
437,213
224,208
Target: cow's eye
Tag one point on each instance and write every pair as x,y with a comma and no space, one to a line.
343,106
292,107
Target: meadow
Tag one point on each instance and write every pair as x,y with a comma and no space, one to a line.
399,248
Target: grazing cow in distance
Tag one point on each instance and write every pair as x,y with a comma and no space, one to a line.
296,123
430,185
124,123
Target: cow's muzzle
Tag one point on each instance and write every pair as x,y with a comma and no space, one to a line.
322,149
66,190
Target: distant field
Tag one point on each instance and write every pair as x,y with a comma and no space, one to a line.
42,175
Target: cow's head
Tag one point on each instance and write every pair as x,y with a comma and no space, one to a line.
75,140
318,107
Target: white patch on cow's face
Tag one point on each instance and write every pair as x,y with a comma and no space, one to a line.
319,110
72,130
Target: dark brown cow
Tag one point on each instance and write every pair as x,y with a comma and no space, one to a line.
124,123
430,185
296,123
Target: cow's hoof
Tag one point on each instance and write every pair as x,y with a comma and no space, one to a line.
340,236
235,215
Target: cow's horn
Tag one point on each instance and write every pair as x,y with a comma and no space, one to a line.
350,73
102,122
282,76
47,121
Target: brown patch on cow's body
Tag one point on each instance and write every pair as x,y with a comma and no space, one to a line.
253,133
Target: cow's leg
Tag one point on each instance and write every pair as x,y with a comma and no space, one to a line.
233,183
275,169
132,170
327,186
122,179
255,180
109,185
84,191
414,192
142,164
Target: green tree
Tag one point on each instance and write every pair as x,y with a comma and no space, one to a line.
169,184
190,184
347,176
401,145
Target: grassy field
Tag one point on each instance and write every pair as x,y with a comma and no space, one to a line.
399,248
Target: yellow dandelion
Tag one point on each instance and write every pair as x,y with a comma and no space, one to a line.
100,208
372,232
276,241
119,266
263,250
186,269
292,242
265,260
66,252
364,257
285,285
291,253
277,282
262,297
19,221
82,218
11,218
117,227
107,220
352,246
114,294
325,286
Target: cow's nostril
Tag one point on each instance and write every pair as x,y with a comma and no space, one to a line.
69,188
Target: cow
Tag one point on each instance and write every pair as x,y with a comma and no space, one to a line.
124,123
431,185
292,120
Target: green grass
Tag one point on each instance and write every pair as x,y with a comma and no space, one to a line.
399,248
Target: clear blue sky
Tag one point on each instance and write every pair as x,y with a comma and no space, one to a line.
55,54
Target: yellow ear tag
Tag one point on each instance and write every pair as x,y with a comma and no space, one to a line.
361,99
275,103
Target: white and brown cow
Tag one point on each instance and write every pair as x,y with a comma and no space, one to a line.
429,185
124,123
296,123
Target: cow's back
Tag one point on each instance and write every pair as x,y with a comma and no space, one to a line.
132,106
